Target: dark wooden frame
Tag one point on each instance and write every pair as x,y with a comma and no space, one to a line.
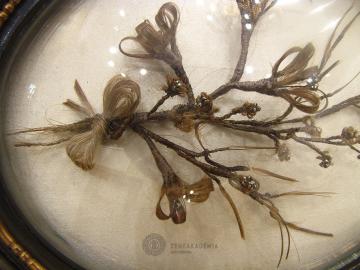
27,241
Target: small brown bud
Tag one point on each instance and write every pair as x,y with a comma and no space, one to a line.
204,103
350,134
185,123
175,87
326,160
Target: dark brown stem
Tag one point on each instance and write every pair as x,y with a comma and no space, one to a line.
335,140
181,73
309,144
245,43
182,152
338,107
353,101
263,86
158,104
160,161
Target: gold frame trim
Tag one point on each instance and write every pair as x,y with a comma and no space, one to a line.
18,250
7,10
5,236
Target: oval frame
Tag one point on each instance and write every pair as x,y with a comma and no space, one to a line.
20,243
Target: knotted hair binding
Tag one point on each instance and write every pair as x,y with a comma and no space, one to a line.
120,100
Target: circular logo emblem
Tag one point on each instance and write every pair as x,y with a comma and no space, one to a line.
154,244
